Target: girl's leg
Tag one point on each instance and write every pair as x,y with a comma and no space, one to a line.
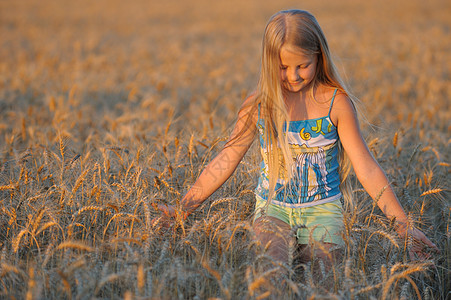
323,251
276,235
322,254
319,238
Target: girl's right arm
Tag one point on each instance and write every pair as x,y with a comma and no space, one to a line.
371,175
223,165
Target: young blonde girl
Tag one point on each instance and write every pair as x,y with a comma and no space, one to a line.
308,130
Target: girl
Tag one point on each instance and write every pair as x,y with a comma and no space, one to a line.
307,126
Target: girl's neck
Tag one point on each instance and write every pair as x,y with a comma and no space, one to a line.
308,104
318,93
302,96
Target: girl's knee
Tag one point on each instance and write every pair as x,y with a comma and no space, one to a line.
274,236
327,252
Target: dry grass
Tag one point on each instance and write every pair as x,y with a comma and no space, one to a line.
108,108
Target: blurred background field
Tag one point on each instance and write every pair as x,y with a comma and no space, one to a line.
108,107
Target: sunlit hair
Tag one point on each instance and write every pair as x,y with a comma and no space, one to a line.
300,30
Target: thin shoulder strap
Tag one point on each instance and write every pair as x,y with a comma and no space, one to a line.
332,102
258,113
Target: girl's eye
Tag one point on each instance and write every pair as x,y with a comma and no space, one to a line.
283,67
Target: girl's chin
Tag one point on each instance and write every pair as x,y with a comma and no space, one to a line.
293,89
296,88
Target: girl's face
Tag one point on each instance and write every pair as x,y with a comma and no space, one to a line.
297,69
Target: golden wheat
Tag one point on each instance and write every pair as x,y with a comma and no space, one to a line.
432,191
31,283
6,268
16,240
6,187
404,274
75,245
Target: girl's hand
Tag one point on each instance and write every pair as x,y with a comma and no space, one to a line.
419,246
168,216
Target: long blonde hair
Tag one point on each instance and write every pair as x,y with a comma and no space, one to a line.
300,29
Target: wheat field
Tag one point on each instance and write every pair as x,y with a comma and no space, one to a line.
108,108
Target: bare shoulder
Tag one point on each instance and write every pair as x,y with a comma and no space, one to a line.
342,108
245,127
249,107
250,100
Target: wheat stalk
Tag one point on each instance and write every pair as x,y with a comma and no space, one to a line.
417,291
256,284
105,280
265,295
369,288
31,284
37,221
140,278
46,226
395,140
222,200
383,233
217,276
119,215
146,213
238,226
431,191
7,187
87,208
405,274
77,184
6,268
126,240
66,283
16,240
75,245
48,254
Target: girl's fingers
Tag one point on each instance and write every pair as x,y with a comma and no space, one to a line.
168,210
421,252
162,222
421,246
423,241
430,244
155,221
168,216
163,208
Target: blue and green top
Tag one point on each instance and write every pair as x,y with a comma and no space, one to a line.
315,175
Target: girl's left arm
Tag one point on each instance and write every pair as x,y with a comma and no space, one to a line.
371,175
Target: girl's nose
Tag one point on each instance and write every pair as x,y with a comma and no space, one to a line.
293,76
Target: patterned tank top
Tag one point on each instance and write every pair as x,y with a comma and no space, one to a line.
315,175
